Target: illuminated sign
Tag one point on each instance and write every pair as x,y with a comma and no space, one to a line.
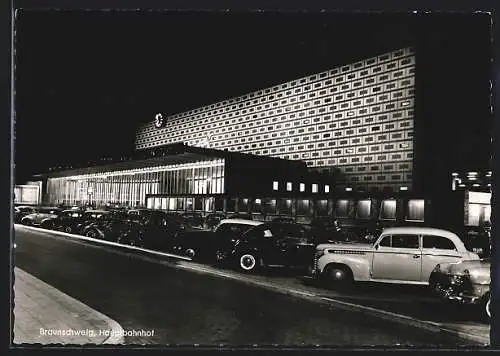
160,121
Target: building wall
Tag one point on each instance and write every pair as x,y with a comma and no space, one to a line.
130,187
355,119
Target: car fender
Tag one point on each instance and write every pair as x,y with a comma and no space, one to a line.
359,264
47,220
26,218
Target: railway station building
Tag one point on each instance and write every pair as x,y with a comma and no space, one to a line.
344,142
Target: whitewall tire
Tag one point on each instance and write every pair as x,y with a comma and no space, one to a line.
248,262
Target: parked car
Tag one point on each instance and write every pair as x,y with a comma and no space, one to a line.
210,245
193,219
271,244
405,255
466,282
360,229
44,217
212,220
22,211
477,239
68,220
154,229
105,226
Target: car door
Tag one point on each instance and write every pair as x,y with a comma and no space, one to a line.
297,248
436,250
269,241
398,257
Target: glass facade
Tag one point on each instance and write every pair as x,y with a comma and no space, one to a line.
130,187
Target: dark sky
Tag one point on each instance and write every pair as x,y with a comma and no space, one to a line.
84,80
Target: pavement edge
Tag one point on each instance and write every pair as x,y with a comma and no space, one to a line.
116,336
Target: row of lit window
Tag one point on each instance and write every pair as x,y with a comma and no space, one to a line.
398,109
307,80
306,122
360,107
360,135
343,161
391,92
318,149
311,133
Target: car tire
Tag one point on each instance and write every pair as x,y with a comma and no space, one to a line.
338,277
191,253
248,262
48,225
92,234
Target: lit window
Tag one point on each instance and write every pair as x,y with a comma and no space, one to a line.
327,189
257,201
405,103
289,186
403,145
314,188
415,210
275,185
302,187
350,113
403,188
348,189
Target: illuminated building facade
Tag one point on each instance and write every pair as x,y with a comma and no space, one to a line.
356,120
346,143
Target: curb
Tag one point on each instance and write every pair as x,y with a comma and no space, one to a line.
400,318
116,333
104,242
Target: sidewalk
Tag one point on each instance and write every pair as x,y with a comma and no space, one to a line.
45,315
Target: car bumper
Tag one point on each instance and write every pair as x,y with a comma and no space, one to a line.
449,288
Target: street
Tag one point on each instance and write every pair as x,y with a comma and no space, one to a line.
185,308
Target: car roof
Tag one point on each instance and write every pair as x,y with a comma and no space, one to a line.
419,230
242,221
97,211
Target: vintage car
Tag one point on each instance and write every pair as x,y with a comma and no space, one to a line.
212,220
106,226
153,229
210,244
193,219
466,282
477,239
44,217
68,220
22,211
271,244
405,255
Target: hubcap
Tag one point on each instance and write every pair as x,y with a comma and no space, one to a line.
247,262
338,275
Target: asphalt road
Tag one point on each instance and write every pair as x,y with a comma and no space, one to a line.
185,308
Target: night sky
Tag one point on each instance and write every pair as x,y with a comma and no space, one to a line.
84,80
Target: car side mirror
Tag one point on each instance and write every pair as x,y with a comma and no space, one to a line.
376,246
